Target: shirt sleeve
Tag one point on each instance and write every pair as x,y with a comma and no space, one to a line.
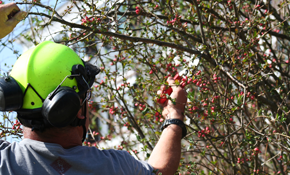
140,167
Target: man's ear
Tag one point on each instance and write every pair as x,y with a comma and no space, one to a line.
80,114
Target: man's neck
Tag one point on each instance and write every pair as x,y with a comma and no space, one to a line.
67,138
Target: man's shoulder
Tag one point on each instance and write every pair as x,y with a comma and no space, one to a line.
4,144
107,155
106,152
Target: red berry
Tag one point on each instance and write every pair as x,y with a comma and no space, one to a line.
183,84
177,77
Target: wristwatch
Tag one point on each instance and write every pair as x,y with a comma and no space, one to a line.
176,122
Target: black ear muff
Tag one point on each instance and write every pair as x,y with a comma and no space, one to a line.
11,96
92,71
60,107
80,69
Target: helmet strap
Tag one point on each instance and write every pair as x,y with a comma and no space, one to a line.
84,123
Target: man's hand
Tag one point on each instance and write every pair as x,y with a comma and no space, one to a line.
166,154
174,110
10,16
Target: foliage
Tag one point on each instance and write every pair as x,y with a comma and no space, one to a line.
238,110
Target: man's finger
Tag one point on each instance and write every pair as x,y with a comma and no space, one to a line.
16,18
170,80
8,8
159,92
162,88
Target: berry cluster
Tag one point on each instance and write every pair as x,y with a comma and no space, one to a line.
242,160
141,107
113,110
175,21
137,10
183,80
256,151
86,21
90,144
203,132
158,117
16,125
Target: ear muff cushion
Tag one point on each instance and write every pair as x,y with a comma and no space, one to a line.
11,96
61,108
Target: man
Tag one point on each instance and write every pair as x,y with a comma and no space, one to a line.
49,88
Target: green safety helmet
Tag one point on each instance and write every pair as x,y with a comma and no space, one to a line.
37,76
44,67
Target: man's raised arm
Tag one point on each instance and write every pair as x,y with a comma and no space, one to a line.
10,16
166,154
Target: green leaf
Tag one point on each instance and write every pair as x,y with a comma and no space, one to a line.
260,112
145,110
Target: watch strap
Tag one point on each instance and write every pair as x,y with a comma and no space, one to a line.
175,122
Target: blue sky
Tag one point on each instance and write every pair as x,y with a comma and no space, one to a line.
7,55
7,59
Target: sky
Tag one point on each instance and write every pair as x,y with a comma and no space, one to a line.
7,59
7,56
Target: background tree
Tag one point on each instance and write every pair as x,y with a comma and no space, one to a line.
238,110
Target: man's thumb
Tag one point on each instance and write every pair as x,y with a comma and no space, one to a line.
17,18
